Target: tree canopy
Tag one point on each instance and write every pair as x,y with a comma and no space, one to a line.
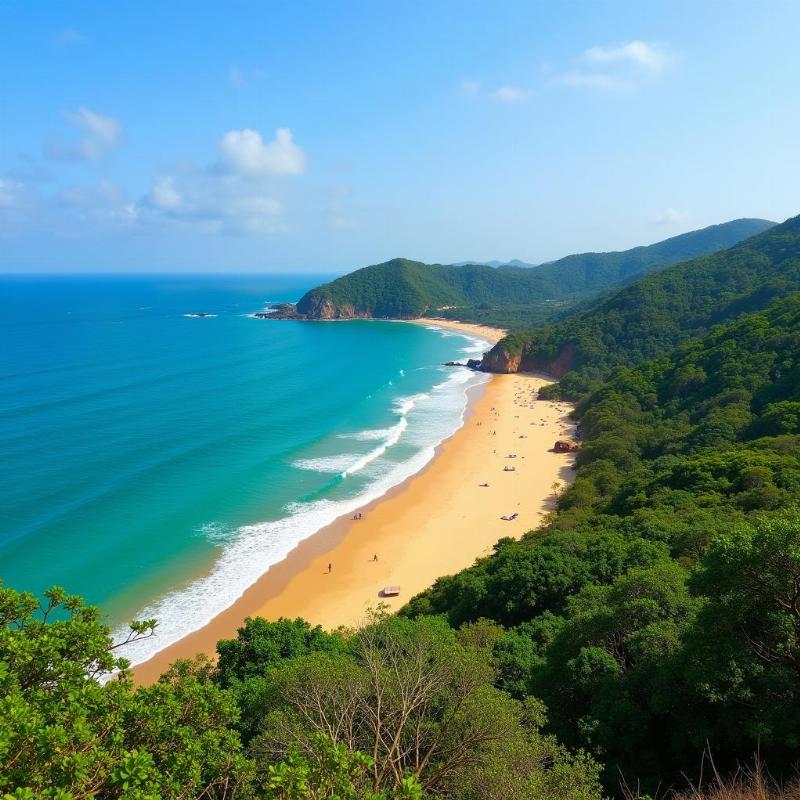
656,613
516,297
656,313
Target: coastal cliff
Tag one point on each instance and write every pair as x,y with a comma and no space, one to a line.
315,305
397,289
644,320
501,359
402,288
510,356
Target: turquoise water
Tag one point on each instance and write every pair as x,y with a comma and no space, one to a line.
157,464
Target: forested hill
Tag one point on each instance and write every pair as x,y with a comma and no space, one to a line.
596,271
402,288
656,613
657,312
652,620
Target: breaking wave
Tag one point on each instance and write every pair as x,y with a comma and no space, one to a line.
247,552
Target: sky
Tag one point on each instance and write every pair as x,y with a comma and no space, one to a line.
325,136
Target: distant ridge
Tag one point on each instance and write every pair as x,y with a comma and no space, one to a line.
676,248
596,271
652,315
515,262
402,288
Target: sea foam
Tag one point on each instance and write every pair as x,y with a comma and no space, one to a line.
426,420
329,464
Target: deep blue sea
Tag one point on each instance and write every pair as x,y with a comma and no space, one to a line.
158,463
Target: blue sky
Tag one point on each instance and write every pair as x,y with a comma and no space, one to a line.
266,136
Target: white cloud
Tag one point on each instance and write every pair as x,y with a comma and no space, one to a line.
259,206
78,209
254,214
243,191
10,193
212,202
101,193
164,195
18,207
510,94
619,67
597,80
669,216
648,55
503,94
245,152
102,130
98,134
72,212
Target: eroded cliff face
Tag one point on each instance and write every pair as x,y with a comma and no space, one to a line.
318,306
562,364
500,359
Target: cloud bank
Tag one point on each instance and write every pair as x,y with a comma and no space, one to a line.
619,67
97,135
242,190
246,153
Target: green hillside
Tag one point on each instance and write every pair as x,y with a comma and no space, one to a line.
402,288
657,312
509,296
590,272
399,710
656,613
654,617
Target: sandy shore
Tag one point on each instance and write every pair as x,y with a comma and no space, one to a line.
435,523
484,331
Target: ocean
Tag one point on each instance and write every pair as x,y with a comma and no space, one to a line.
158,463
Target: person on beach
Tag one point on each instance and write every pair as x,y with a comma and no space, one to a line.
375,557
330,567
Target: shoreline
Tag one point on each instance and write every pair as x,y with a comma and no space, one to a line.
453,519
492,335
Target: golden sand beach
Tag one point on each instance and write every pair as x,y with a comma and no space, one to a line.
435,523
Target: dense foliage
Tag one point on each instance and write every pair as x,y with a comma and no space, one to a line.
65,735
400,710
515,297
510,316
591,272
653,315
658,611
654,617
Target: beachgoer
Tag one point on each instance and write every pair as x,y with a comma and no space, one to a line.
330,567
375,557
